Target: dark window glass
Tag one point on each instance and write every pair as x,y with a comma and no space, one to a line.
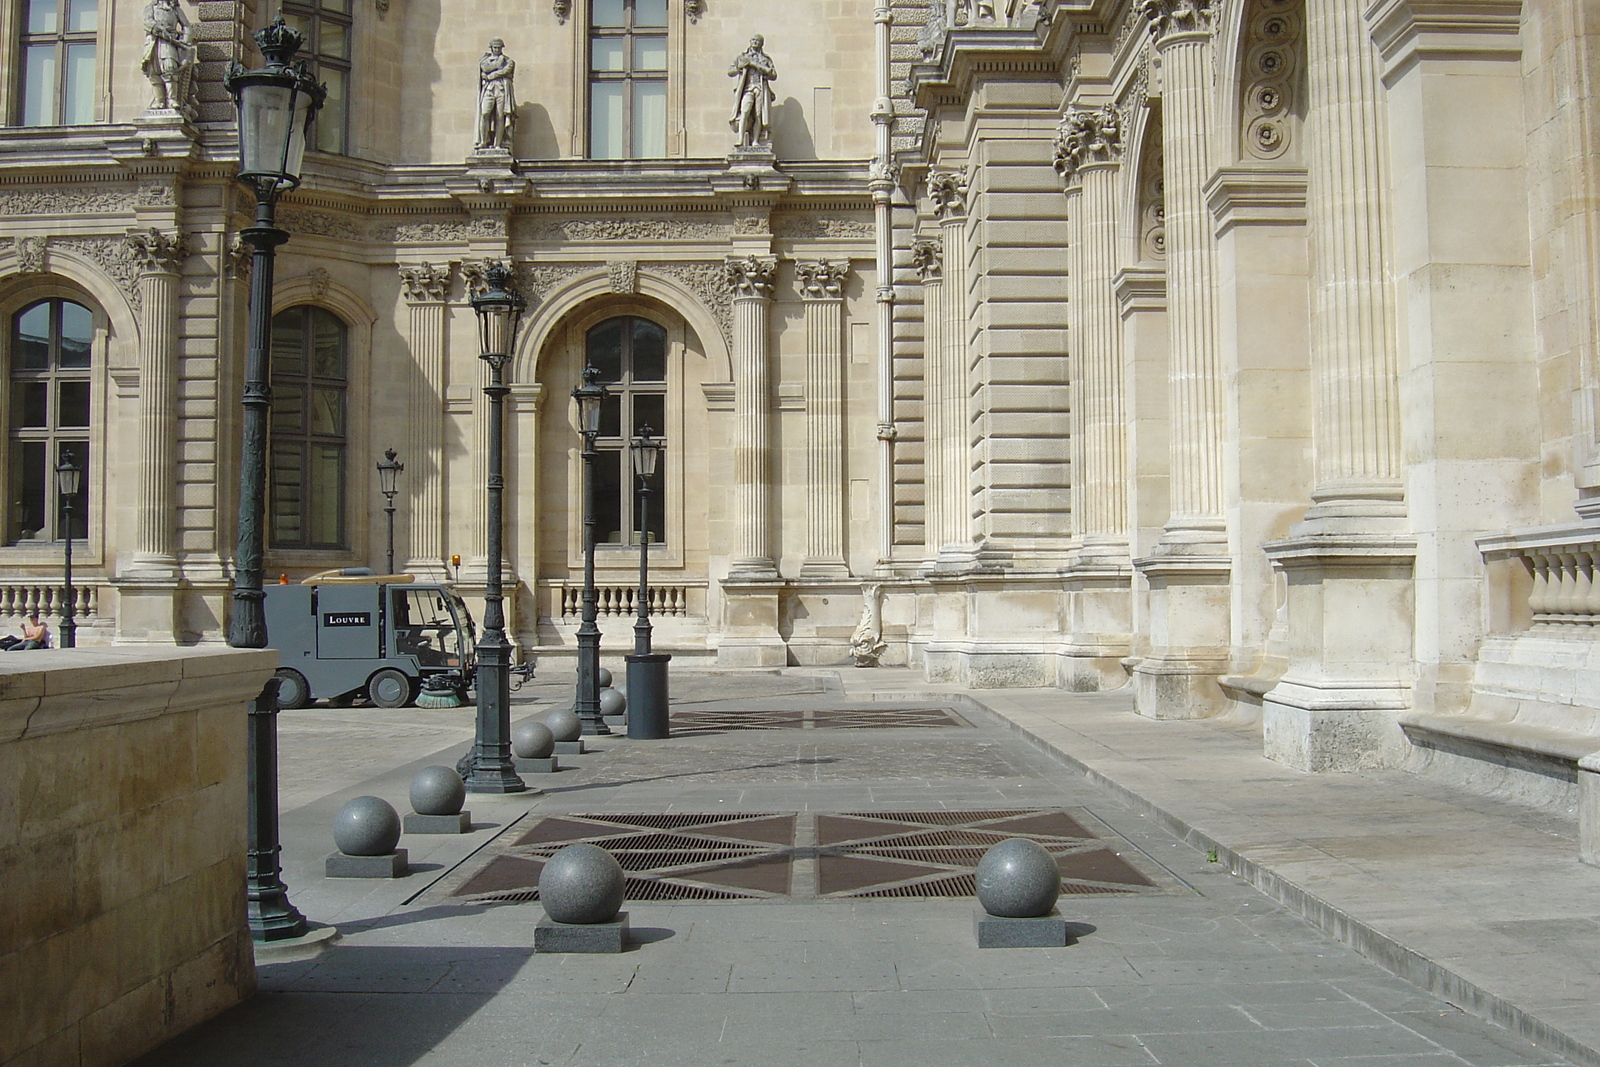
50,413
631,354
310,354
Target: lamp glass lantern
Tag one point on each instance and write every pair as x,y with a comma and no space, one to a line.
499,309
389,469
591,397
69,479
647,449
277,105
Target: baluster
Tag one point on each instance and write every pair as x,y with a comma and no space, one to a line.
1539,592
1569,588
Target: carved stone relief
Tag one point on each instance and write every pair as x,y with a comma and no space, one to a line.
65,202
694,9
155,252
1087,136
427,283
624,275
1152,203
318,279
318,224
927,258
708,281
452,230
541,278
238,257
110,254
625,229
30,255
812,227
155,194
1169,17
1272,78
821,279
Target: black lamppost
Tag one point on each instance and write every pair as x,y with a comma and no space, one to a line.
591,396
499,309
69,479
647,671
277,105
389,469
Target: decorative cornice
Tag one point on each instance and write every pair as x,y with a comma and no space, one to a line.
427,283
1087,137
927,259
751,277
1408,31
154,252
948,189
822,279
1172,18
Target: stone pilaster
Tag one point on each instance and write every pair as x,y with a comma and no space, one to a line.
927,256
751,279
948,190
822,289
427,293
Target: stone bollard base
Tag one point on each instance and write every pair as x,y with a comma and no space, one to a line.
544,765
570,748
393,865
416,823
551,936
995,931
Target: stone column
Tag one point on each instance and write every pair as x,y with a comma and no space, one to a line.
751,279
427,293
948,189
927,256
822,288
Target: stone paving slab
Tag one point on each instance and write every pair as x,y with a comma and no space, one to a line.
1215,974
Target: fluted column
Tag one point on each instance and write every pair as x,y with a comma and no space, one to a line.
1182,33
822,289
476,570
751,278
159,258
427,292
1088,155
948,191
927,256
1357,460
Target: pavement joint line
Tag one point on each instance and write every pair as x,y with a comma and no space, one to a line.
1432,976
491,839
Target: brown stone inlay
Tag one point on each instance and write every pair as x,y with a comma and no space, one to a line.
1100,865
554,829
833,829
503,873
777,830
765,874
840,874
1051,823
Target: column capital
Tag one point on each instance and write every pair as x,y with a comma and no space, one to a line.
751,277
475,275
948,188
426,283
822,279
1174,18
155,252
927,259
1087,137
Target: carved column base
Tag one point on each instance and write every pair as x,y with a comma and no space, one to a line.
1099,627
1188,626
824,568
1351,621
148,610
750,614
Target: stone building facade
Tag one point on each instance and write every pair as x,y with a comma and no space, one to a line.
1240,351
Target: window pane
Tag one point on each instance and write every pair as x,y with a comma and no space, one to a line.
73,402
85,16
607,123
32,350
605,349
327,412
611,416
326,492
78,452
335,40
608,498
299,22
80,85
649,12
44,16
288,332
30,403
607,13
605,53
649,120
287,488
27,491
330,120
77,335
327,360
649,352
288,408
649,409
39,86
649,53
658,502
341,6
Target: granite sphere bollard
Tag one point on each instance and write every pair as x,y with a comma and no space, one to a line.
564,724
366,826
603,677
532,740
1018,879
581,884
612,702
437,791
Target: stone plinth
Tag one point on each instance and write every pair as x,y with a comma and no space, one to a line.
459,823
551,936
994,931
1589,809
568,748
544,765
393,865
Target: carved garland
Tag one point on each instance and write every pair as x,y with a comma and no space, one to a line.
1271,75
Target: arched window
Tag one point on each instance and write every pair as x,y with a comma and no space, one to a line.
310,356
628,79
631,355
49,417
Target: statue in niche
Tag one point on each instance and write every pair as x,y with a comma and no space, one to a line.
497,99
753,96
168,54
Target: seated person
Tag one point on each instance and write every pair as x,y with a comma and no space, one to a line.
35,634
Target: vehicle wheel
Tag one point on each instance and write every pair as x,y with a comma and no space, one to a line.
293,692
389,688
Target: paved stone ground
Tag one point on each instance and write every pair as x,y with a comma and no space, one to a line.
1207,971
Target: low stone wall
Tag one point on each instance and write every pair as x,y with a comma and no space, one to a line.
122,847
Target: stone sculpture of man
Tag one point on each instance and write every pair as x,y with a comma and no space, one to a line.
753,96
168,53
497,99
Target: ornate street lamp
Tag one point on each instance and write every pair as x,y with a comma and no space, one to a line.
389,469
499,309
647,672
277,105
591,397
69,479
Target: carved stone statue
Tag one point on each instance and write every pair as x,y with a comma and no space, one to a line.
168,56
497,98
753,96
867,644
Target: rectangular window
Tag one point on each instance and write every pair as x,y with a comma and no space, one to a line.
58,62
327,26
309,431
50,415
628,79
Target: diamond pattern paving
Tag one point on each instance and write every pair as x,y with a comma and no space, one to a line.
708,720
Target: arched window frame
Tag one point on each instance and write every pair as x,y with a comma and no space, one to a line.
88,551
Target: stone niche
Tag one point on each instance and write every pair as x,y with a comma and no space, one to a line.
122,847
